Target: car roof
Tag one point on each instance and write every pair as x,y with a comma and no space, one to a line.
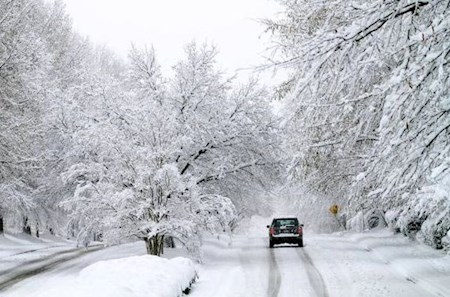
286,218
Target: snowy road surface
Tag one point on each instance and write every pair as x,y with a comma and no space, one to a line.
58,269
364,264
367,264
249,268
24,269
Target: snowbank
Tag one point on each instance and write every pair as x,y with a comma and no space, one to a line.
138,276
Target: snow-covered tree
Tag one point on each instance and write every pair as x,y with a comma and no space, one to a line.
369,97
115,149
47,73
27,32
150,169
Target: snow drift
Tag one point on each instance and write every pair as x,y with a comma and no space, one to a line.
138,276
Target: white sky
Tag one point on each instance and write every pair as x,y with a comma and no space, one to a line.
169,24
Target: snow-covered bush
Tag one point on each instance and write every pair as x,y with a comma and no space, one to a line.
366,220
446,241
427,216
374,219
391,216
356,223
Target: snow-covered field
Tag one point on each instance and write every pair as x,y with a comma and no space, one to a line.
376,263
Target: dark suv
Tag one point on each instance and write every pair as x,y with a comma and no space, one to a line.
285,230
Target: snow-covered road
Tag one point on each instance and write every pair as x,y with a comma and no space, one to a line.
248,268
24,269
367,264
332,265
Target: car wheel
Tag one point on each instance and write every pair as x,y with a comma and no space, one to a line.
270,244
300,242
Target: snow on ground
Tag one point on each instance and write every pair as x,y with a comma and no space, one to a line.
378,263
375,263
232,269
123,270
22,243
138,276
21,252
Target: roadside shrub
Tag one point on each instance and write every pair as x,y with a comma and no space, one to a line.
435,228
427,216
391,217
374,218
446,242
371,219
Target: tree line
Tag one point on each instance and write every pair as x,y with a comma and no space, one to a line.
92,145
368,110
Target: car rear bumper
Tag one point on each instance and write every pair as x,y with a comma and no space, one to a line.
285,238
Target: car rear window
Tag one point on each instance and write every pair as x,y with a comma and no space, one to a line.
285,222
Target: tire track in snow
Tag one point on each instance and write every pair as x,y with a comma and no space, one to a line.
274,276
37,261
31,251
28,269
314,276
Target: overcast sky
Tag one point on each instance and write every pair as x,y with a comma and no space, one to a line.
169,24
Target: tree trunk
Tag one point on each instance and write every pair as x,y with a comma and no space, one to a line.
97,236
26,228
155,245
169,242
1,222
37,230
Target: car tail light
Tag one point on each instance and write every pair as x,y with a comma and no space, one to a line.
300,230
272,231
